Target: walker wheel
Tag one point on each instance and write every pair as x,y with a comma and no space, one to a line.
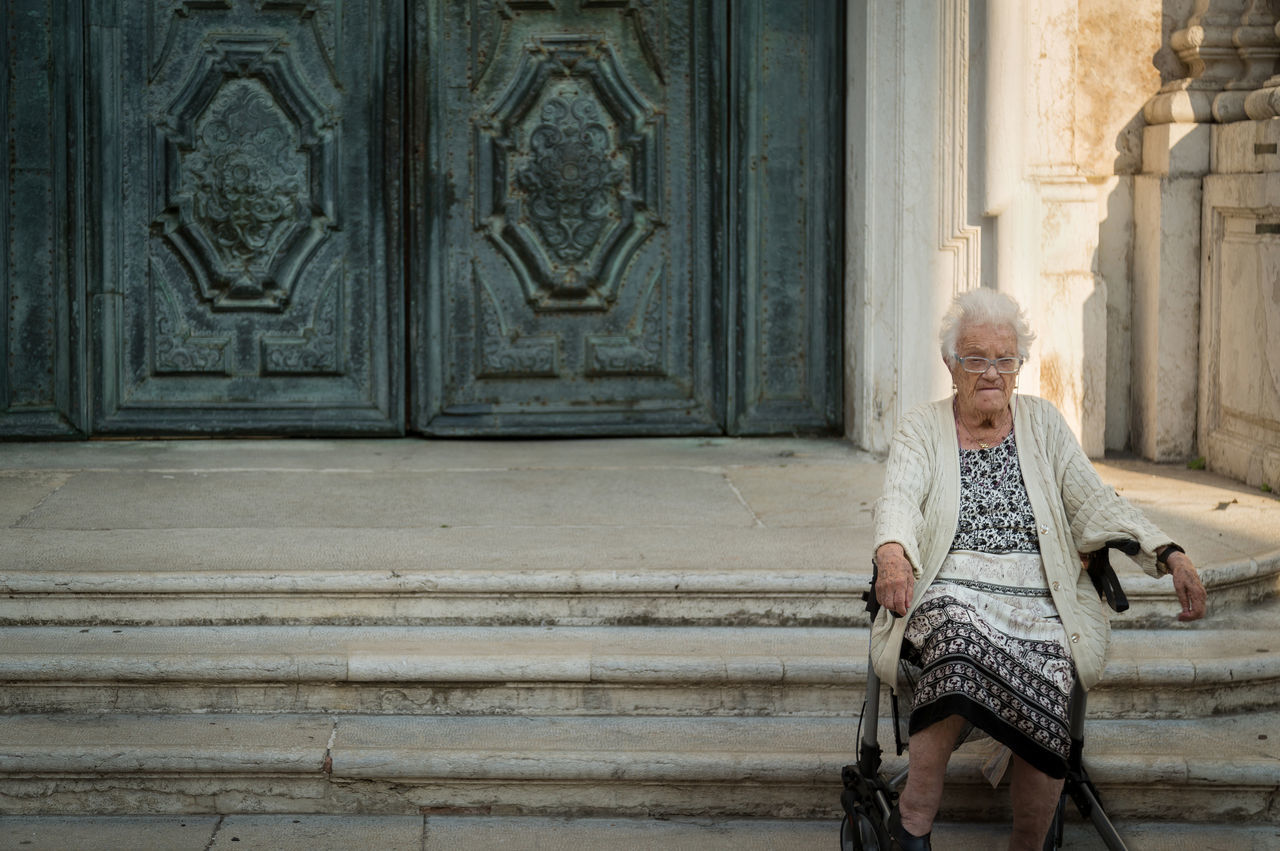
858,832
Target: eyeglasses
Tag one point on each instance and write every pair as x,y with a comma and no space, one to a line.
1004,366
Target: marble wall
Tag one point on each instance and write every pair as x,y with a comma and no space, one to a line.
1239,375
1079,154
995,144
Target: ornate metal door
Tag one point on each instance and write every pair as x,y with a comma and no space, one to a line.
600,216
245,275
566,218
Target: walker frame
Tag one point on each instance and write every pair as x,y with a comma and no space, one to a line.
869,795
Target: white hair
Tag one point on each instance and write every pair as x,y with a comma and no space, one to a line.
983,306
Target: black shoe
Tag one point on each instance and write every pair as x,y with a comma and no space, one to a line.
904,841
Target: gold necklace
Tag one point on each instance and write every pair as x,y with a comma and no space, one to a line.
955,409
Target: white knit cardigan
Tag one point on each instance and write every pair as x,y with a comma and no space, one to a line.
1075,513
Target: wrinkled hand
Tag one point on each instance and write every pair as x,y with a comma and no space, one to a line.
1186,582
895,581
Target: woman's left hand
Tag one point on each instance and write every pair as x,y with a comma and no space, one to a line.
1186,582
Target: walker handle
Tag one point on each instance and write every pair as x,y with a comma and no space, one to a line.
1103,576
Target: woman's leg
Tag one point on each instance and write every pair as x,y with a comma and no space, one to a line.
927,755
1035,796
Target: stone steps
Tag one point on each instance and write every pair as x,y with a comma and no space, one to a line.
574,577
574,766
628,630
719,723
673,671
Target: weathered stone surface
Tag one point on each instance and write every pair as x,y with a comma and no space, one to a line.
119,745
21,493
142,833
283,500
1114,78
1228,520
309,833
597,671
809,496
413,455
785,538
531,833
1239,413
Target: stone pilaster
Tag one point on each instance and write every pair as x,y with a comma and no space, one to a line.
1071,308
1166,289
1167,200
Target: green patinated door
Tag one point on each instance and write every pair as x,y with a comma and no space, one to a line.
452,217
569,285
245,270
620,230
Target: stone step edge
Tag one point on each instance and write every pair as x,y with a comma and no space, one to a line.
755,758
823,580
549,655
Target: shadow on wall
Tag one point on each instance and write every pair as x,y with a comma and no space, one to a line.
1194,338
1132,46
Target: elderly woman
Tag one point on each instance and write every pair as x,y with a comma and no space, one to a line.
988,501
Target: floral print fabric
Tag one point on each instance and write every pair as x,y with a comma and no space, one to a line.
995,512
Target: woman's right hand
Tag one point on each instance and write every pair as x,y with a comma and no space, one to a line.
895,580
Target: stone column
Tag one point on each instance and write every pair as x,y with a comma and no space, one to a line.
1256,44
1206,45
897,59
1264,102
1167,202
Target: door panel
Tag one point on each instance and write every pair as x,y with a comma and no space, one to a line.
786,216
39,355
620,216
246,158
563,213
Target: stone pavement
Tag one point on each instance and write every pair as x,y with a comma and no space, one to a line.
444,833
511,490
706,509
314,589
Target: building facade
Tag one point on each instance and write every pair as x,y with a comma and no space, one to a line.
1108,163
511,217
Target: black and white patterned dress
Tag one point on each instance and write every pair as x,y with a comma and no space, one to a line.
986,635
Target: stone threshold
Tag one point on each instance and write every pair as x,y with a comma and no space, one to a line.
1226,767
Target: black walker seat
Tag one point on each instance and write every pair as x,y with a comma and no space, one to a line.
869,796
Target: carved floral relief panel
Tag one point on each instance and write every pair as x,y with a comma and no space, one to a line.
245,142
573,175
563,165
250,253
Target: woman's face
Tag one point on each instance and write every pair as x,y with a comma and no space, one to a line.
986,393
